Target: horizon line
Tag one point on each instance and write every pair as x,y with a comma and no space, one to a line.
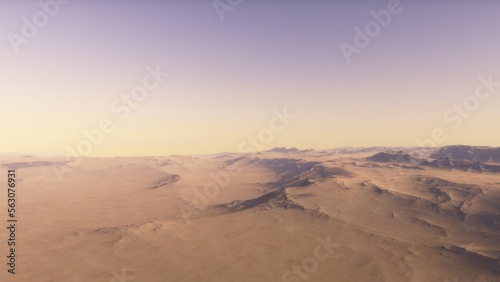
57,155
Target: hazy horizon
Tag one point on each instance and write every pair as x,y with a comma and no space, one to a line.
50,154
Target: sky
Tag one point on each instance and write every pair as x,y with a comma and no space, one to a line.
418,78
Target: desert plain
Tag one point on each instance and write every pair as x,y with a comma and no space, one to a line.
351,214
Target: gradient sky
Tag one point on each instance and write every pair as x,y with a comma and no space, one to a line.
226,77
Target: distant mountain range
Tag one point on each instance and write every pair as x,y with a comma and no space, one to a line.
401,157
284,150
465,158
469,153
